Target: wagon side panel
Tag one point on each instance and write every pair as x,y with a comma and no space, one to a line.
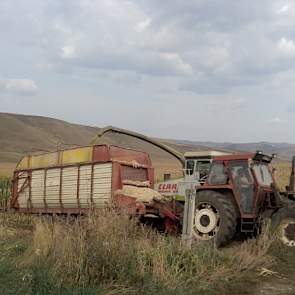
37,188
23,190
84,193
69,187
102,185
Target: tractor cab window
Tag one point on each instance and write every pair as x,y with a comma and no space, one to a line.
217,174
190,165
243,183
263,175
202,169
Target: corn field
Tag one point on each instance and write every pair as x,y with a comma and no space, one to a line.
4,192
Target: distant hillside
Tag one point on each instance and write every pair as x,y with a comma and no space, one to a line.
284,151
21,134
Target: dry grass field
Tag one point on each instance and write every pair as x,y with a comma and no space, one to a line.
96,256
282,174
6,169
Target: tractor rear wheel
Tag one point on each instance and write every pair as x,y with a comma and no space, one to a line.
283,222
215,218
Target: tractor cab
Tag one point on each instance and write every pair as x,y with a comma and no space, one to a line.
197,165
195,172
247,177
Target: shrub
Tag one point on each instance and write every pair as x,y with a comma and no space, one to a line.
5,184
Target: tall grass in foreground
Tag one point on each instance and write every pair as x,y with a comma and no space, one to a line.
110,251
5,184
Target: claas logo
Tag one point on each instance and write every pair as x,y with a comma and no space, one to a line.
167,187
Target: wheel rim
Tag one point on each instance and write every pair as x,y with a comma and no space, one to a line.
287,232
206,221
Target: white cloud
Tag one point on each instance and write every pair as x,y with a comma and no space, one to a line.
277,120
176,61
286,46
142,26
68,51
19,86
285,8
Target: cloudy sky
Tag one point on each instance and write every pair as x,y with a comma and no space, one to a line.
220,70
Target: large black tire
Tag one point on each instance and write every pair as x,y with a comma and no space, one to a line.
283,223
225,218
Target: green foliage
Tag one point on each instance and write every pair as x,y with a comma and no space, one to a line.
5,184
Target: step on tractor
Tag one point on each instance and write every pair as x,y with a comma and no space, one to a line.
222,195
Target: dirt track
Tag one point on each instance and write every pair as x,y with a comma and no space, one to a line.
280,282
276,284
277,287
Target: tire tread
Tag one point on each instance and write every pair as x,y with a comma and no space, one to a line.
228,213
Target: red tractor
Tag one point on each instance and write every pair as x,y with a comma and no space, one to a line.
237,193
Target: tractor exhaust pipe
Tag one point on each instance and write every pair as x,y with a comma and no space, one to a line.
292,177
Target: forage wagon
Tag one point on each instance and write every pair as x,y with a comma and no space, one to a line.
78,180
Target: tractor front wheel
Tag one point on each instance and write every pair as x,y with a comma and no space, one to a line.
215,218
283,222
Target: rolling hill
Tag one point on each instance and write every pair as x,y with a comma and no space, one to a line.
22,134
284,151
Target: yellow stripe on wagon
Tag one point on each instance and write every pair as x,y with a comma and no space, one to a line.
83,154
44,160
76,155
